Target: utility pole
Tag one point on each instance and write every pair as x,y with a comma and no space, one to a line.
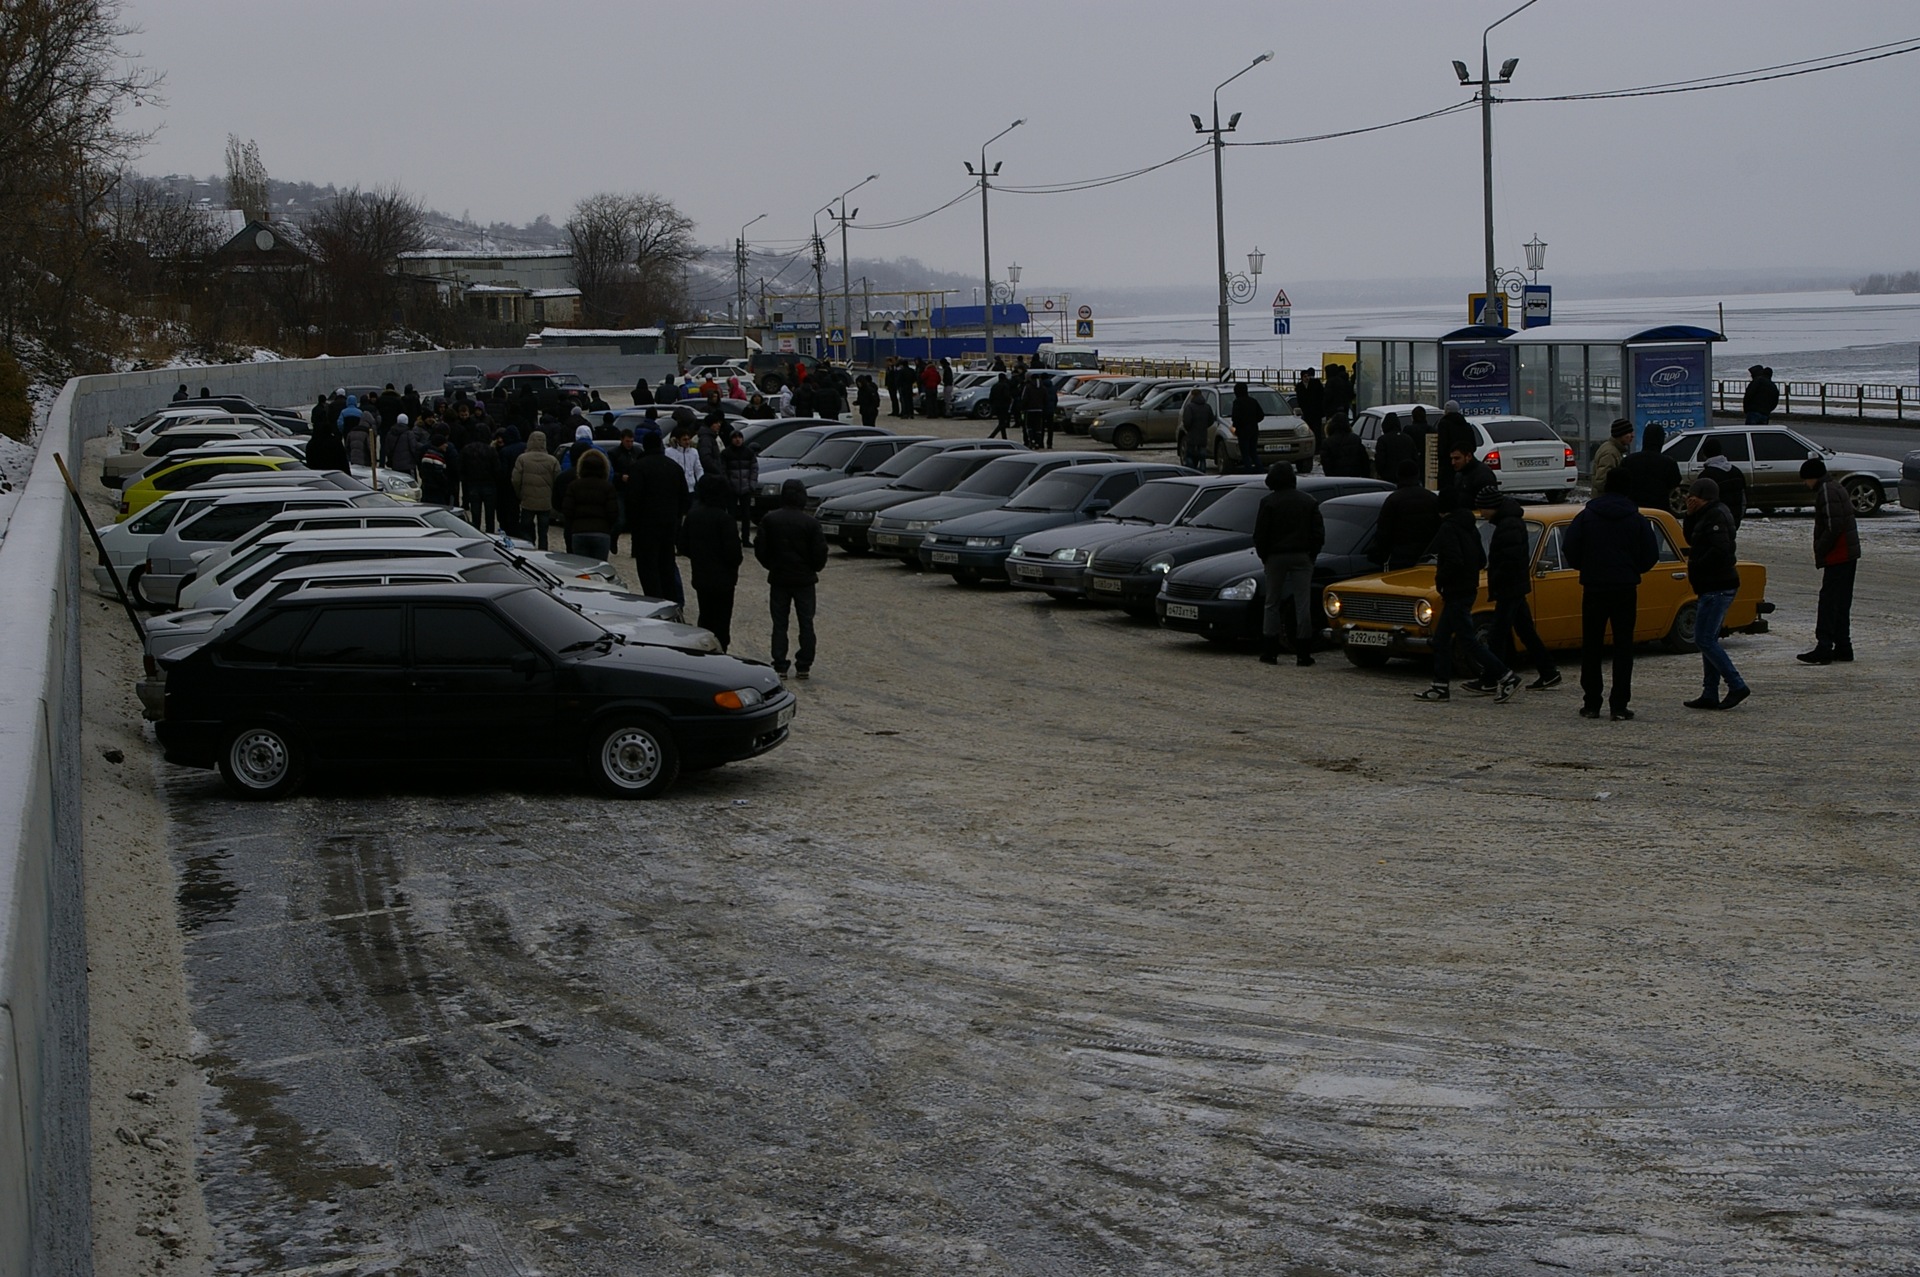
1220,199
846,300
740,279
1486,137
819,290
986,239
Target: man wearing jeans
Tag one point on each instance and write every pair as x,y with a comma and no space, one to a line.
1611,544
1288,532
792,549
1714,572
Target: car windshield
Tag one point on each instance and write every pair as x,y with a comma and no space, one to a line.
1520,430
1234,512
1001,478
1156,502
793,447
465,370
1057,493
1348,527
442,517
558,627
906,459
1267,398
833,454
937,474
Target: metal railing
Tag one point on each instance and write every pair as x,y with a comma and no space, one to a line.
1826,398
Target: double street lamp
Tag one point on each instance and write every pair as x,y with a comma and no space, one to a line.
1220,201
1485,95
846,294
986,241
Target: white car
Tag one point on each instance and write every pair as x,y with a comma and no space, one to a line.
1525,455
127,541
188,434
175,555
213,585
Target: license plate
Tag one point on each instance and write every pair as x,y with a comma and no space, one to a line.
1183,611
1106,583
1369,638
785,717
945,556
885,538
1026,569
1532,463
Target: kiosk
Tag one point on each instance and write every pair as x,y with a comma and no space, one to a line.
1579,378
1432,365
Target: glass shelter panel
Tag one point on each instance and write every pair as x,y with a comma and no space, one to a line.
1367,386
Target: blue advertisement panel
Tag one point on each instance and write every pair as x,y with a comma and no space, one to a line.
1480,378
1670,389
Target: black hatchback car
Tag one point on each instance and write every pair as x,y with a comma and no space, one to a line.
456,674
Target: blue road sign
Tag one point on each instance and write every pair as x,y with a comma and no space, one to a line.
1282,325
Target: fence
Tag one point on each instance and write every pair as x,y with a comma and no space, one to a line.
1826,398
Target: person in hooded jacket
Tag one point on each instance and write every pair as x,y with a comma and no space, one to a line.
348,414
507,450
740,466
479,479
410,402
1762,396
1344,456
1509,581
326,450
657,497
1713,570
436,470
642,393
1392,447
388,406
1246,415
359,436
1652,476
1408,519
533,475
1727,478
866,397
711,541
592,507
320,416
1288,534
1196,428
793,550
1458,558
396,452
1612,546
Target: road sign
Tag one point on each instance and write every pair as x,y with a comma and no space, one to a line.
1282,325
1536,306
1083,328
1483,308
1280,301
1086,312
838,336
1047,304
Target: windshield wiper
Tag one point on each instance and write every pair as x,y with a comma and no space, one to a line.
581,644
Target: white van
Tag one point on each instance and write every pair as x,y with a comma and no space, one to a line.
1051,355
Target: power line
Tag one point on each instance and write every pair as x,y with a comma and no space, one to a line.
1780,71
1094,183
1371,128
918,217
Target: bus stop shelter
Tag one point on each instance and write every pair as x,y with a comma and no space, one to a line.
1580,378
1430,365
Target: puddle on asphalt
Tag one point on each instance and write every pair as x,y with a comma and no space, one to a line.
206,893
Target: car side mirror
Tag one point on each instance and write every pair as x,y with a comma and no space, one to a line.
1543,569
526,664
1099,505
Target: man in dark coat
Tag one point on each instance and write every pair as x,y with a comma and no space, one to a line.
1033,413
326,450
1344,455
389,406
793,550
1457,559
1465,475
1288,534
1836,551
1246,416
1509,581
480,480
1000,400
1762,396
710,539
1311,398
1727,478
657,498
1713,570
1612,545
1408,519
1391,448
1652,476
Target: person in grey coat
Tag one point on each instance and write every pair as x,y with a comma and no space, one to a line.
1196,429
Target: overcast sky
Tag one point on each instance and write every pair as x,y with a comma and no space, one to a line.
509,110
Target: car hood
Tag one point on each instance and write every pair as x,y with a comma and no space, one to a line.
881,499
712,669
1084,536
1008,523
1218,569
944,507
1185,544
809,477
850,486
1880,467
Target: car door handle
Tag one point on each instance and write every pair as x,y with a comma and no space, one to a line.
1678,576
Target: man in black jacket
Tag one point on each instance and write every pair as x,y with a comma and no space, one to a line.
1612,545
1713,570
711,539
1408,519
1458,558
792,549
1391,448
1344,456
1288,533
1246,417
657,497
1000,400
1509,581
1652,476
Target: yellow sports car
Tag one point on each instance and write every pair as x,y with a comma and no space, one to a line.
1375,618
138,495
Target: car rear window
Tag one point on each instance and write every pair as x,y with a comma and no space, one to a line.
364,635
1348,527
906,459
550,621
792,447
267,643
1066,491
1234,512
1520,430
999,478
834,454
1159,502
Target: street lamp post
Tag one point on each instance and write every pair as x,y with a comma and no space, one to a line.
1486,133
846,295
1220,198
740,279
1536,255
986,239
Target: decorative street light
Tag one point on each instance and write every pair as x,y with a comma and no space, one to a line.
986,244
1485,95
1536,255
1242,287
1220,199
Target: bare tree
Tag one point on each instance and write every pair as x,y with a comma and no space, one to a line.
246,178
356,239
629,256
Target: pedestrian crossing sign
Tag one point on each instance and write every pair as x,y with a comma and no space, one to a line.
1083,328
837,336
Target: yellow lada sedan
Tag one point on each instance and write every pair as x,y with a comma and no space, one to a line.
1375,618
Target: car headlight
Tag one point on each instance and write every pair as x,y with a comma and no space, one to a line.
920,525
1018,551
738,698
857,516
1072,554
985,543
1423,612
1330,601
1160,563
769,489
1241,591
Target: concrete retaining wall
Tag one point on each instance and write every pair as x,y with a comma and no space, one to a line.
45,1222
118,398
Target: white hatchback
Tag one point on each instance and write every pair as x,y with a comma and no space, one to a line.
1525,455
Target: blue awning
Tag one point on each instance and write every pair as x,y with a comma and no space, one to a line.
1612,335
1439,332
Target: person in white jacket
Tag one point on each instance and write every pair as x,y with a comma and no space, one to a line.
683,454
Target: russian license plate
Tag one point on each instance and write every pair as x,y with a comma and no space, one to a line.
885,538
785,717
1369,638
945,556
1532,463
1183,611
1026,569
1107,583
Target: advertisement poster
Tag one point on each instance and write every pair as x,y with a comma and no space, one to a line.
1481,379
1670,389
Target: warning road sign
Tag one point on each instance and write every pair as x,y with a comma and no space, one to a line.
1083,327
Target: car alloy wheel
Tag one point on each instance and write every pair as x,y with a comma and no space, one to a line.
261,762
635,758
1680,635
1126,438
1862,494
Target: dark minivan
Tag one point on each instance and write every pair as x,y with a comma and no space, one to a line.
457,673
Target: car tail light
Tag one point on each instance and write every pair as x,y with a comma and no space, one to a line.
125,509
152,666
1569,454
1492,459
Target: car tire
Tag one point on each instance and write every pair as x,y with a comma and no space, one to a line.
981,411
262,761
1127,437
633,757
1677,502
1140,611
131,581
858,549
970,577
1221,463
1366,658
1680,635
1863,494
